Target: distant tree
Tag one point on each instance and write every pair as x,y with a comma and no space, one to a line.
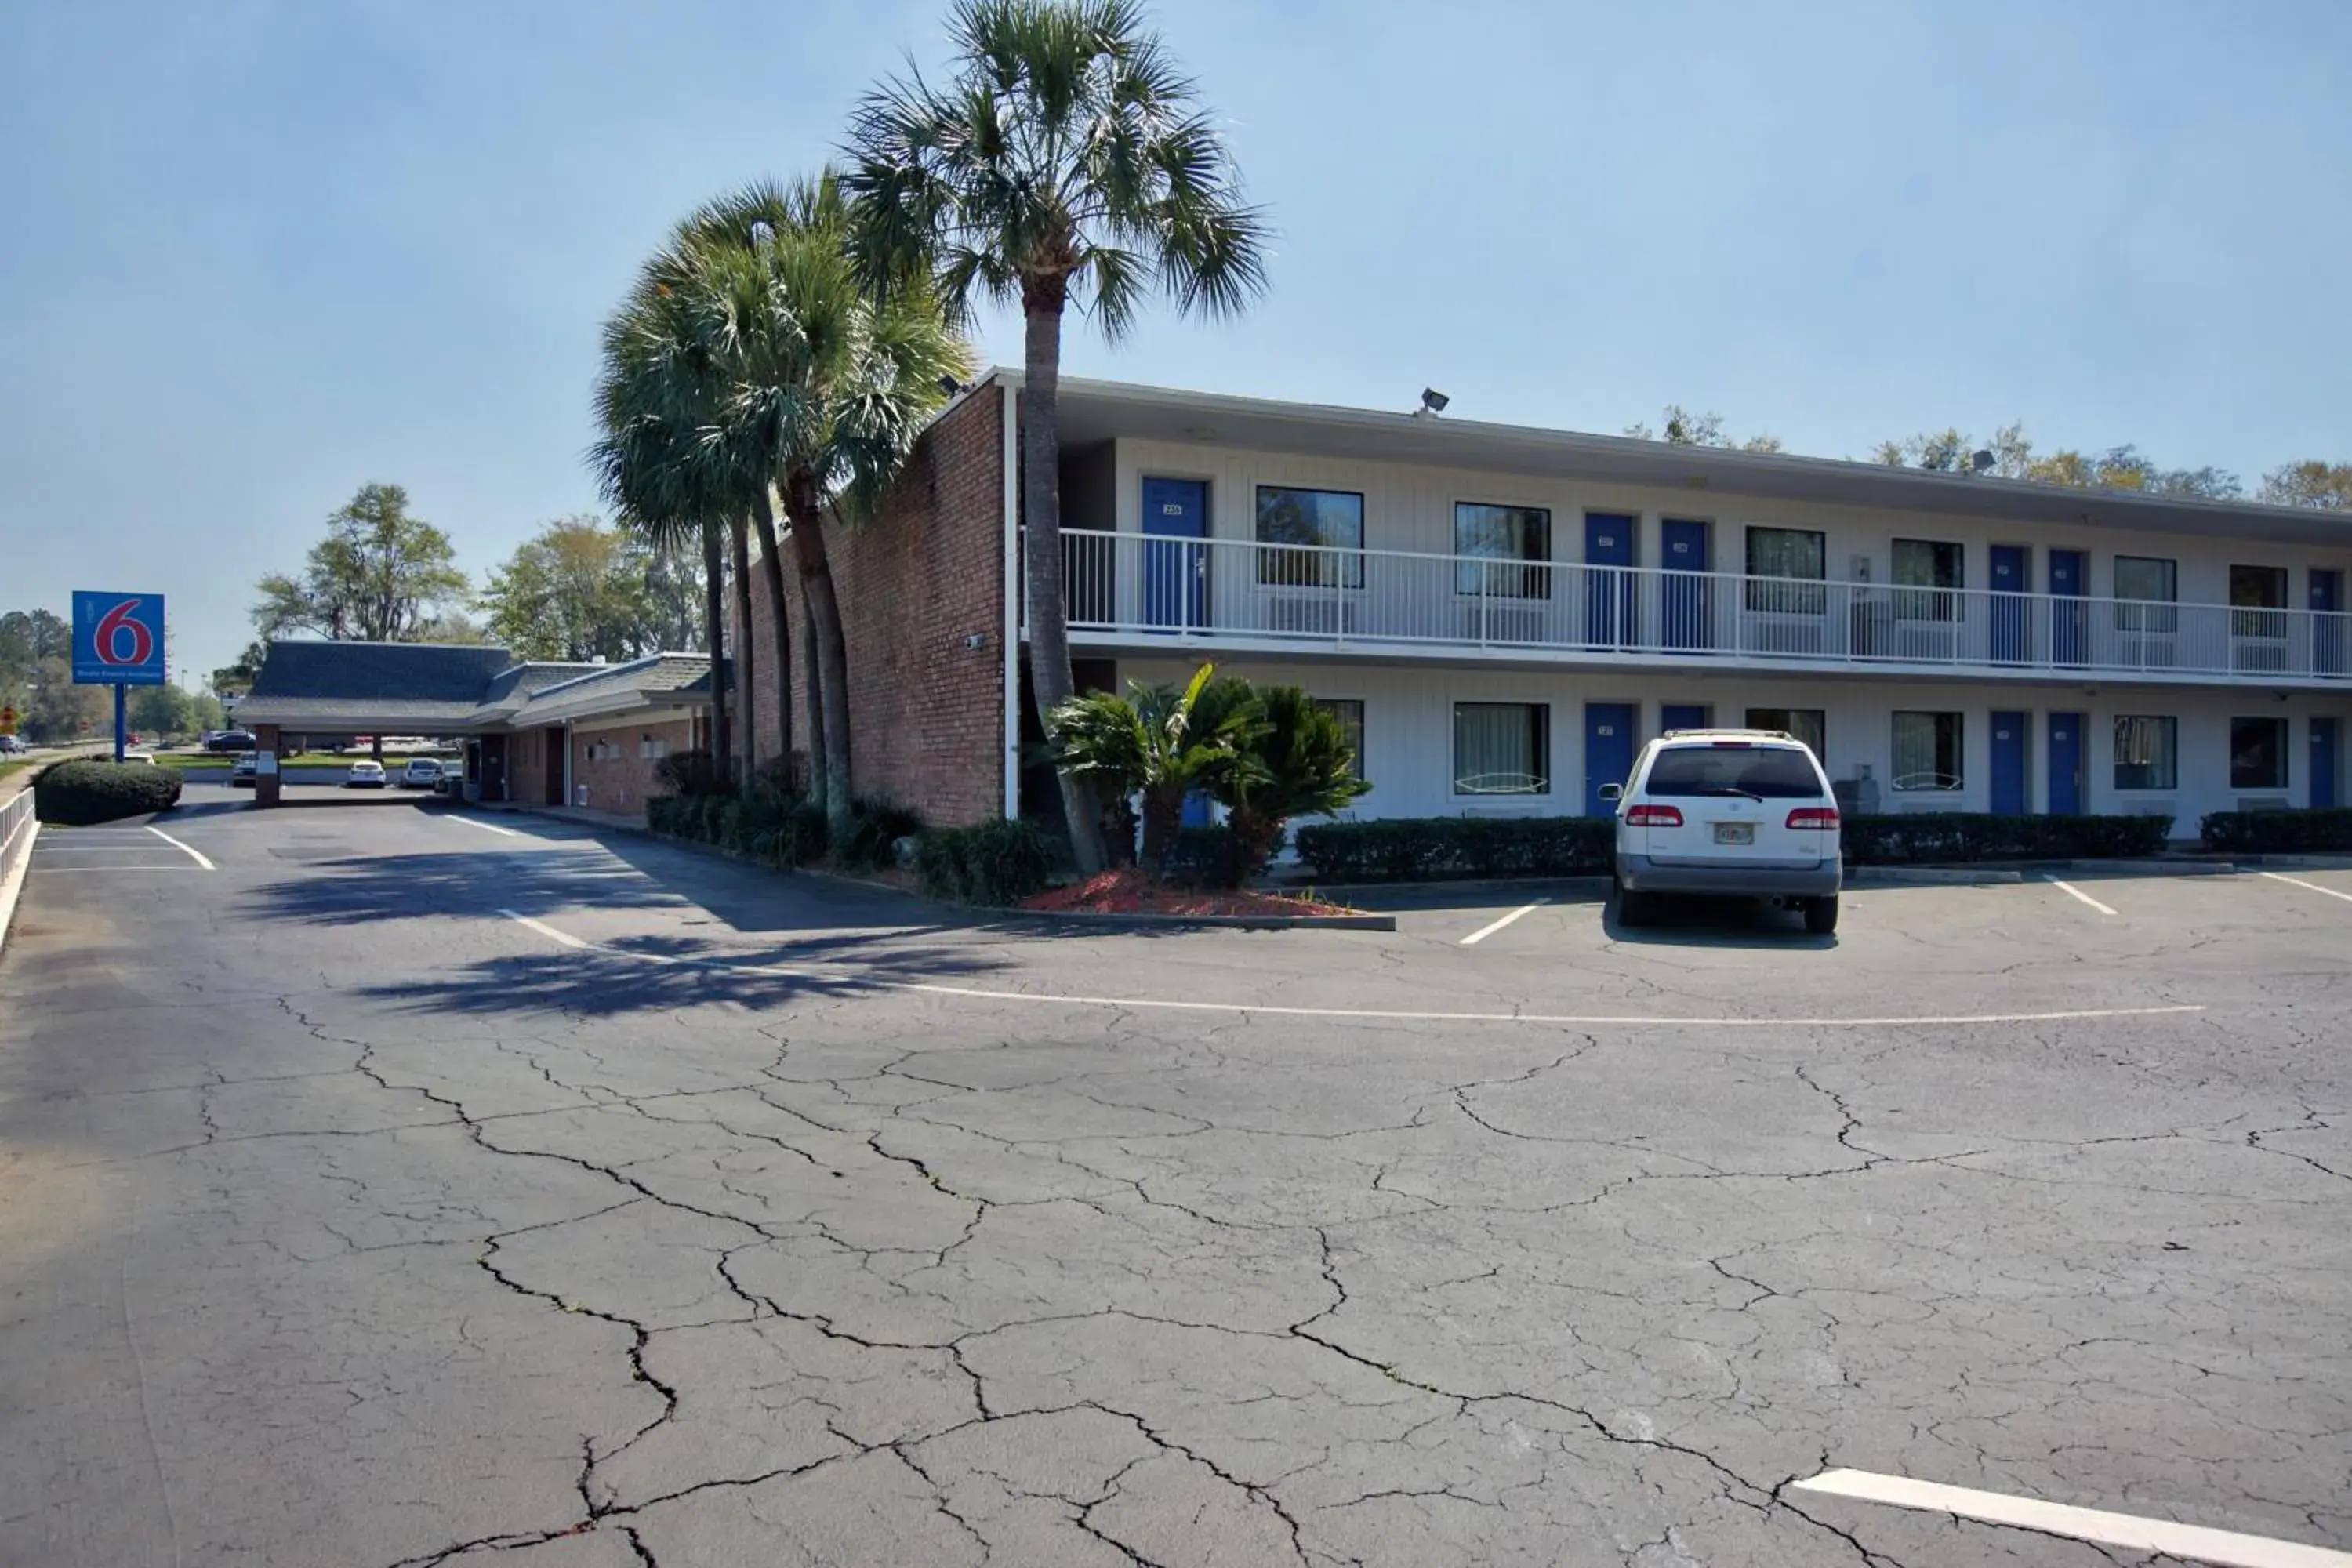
236,680
2321,487
164,710
378,577
577,590
1681,427
58,710
1954,451
450,627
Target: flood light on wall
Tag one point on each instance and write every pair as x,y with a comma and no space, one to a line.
1432,401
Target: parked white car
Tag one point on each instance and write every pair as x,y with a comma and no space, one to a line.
421,773
364,774
1728,812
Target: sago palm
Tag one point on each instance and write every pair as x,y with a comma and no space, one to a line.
1299,765
824,389
1068,161
1157,741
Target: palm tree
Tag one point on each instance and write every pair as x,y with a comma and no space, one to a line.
1299,763
823,390
1068,161
1159,742
649,462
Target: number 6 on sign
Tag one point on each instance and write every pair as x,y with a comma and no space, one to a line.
117,640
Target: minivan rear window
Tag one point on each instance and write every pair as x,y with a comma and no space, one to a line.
1775,772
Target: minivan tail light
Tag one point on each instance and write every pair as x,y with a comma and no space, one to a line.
1818,818
1653,816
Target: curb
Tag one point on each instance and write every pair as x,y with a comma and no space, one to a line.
2157,867
1929,877
2304,862
1592,882
1229,922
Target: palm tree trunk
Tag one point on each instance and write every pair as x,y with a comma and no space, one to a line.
805,506
1050,679
771,564
714,631
746,661
816,713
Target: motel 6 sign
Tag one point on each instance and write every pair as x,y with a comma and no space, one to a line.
117,640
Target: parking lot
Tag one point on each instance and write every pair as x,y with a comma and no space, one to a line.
407,1185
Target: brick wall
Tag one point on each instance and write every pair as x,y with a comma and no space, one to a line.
622,782
927,714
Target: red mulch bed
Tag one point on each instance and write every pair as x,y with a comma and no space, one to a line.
1134,892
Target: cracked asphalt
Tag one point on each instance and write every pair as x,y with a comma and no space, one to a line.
719,1218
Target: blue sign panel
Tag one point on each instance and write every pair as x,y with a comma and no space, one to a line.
117,640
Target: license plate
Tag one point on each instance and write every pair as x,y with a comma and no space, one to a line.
1734,833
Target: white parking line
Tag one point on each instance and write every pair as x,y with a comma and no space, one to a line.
183,849
2077,892
488,826
1483,932
2195,1542
844,973
2299,882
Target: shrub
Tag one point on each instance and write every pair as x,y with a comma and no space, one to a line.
690,773
875,823
2278,832
1406,849
1403,850
779,829
78,792
1216,857
1948,836
995,864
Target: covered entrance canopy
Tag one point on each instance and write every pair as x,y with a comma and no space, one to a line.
514,716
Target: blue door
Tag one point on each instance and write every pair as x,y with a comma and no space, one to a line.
2012,579
1684,543
2067,571
1682,716
1175,561
1608,753
1608,594
2009,731
2326,621
2066,763
2325,765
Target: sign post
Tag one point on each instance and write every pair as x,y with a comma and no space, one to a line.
118,641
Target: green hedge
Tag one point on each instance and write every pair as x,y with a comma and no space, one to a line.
994,863
78,792
780,829
1406,849
2278,832
1947,836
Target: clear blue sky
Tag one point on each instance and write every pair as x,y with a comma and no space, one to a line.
253,255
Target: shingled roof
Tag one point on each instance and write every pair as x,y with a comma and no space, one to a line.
437,687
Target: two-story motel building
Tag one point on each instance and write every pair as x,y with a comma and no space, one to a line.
1505,614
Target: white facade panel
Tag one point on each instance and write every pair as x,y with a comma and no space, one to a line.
1409,729
1411,508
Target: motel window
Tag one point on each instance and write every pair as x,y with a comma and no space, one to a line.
2258,754
1922,567
1927,751
1350,713
2258,601
1317,537
2147,581
2148,753
1502,748
1504,550
1810,725
1785,567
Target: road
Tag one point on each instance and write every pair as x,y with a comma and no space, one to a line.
384,1185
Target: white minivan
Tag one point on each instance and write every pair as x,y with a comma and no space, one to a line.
1728,812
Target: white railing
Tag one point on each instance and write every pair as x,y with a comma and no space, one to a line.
1187,589
16,830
